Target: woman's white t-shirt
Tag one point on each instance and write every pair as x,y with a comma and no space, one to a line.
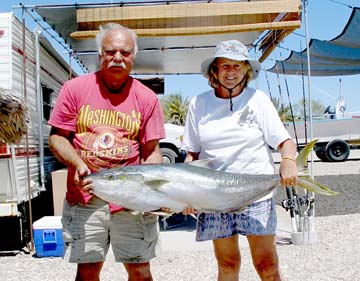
237,140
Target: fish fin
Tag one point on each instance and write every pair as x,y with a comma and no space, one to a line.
203,163
158,212
156,184
161,213
301,159
310,184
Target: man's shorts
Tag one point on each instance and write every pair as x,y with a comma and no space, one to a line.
89,229
257,219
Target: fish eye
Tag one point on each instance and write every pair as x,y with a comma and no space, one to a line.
109,176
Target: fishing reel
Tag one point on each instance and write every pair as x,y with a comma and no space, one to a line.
296,202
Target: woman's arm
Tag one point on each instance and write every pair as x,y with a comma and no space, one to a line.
288,168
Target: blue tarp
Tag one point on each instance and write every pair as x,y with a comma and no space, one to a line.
336,57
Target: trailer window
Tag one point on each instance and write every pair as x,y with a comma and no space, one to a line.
47,97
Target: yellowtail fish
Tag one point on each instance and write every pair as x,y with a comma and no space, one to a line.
149,187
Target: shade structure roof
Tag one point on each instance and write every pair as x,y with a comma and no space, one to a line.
174,37
335,57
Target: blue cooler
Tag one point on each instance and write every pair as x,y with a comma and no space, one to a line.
48,237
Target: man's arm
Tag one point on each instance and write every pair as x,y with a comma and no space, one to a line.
151,153
60,143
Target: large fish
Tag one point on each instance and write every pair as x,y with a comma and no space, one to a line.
149,187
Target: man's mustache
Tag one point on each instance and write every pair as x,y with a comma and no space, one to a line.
117,64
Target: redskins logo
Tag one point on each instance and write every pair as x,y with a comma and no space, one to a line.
104,147
104,141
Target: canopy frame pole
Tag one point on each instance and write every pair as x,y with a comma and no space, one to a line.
312,195
309,81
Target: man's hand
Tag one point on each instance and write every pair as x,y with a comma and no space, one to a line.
80,180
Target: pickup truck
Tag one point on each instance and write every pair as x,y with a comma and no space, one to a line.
171,145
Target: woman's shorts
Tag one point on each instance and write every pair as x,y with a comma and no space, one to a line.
88,231
257,219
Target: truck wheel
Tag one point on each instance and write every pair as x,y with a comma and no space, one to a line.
321,154
169,155
337,150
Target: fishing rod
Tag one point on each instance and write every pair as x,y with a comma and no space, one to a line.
280,94
268,84
290,104
304,98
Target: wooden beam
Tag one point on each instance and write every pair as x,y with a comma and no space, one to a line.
278,36
280,17
274,37
204,10
199,31
184,17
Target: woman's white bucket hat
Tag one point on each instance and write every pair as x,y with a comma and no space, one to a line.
234,50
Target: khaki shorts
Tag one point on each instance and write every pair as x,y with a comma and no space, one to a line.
87,231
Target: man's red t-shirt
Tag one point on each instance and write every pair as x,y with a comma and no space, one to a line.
109,128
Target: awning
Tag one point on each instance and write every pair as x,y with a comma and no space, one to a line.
174,37
336,57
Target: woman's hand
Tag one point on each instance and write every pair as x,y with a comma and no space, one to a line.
288,169
288,172
188,210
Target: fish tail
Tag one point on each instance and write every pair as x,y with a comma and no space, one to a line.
305,180
301,159
310,184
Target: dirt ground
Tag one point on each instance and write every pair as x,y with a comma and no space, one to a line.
333,256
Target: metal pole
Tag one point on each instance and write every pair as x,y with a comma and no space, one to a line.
309,80
312,195
27,134
39,96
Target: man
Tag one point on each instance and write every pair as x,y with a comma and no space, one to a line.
102,120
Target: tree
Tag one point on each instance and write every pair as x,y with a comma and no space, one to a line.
316,106
298,109
283,110
175,108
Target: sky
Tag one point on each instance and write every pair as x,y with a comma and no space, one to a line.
326,20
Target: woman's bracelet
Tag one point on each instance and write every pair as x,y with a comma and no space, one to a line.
288,158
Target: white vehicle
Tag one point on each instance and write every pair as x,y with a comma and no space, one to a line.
171,145
336,137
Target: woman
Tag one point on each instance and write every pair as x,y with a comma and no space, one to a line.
235,125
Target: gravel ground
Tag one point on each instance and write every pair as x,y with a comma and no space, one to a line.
334,256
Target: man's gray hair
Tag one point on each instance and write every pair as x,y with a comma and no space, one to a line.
105,28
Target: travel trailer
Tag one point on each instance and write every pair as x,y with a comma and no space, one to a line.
32,70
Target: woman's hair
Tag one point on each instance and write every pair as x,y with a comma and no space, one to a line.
213,77
104,29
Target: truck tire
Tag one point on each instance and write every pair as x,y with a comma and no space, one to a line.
337,150
169,155
322,155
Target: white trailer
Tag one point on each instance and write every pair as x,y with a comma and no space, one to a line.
31,69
